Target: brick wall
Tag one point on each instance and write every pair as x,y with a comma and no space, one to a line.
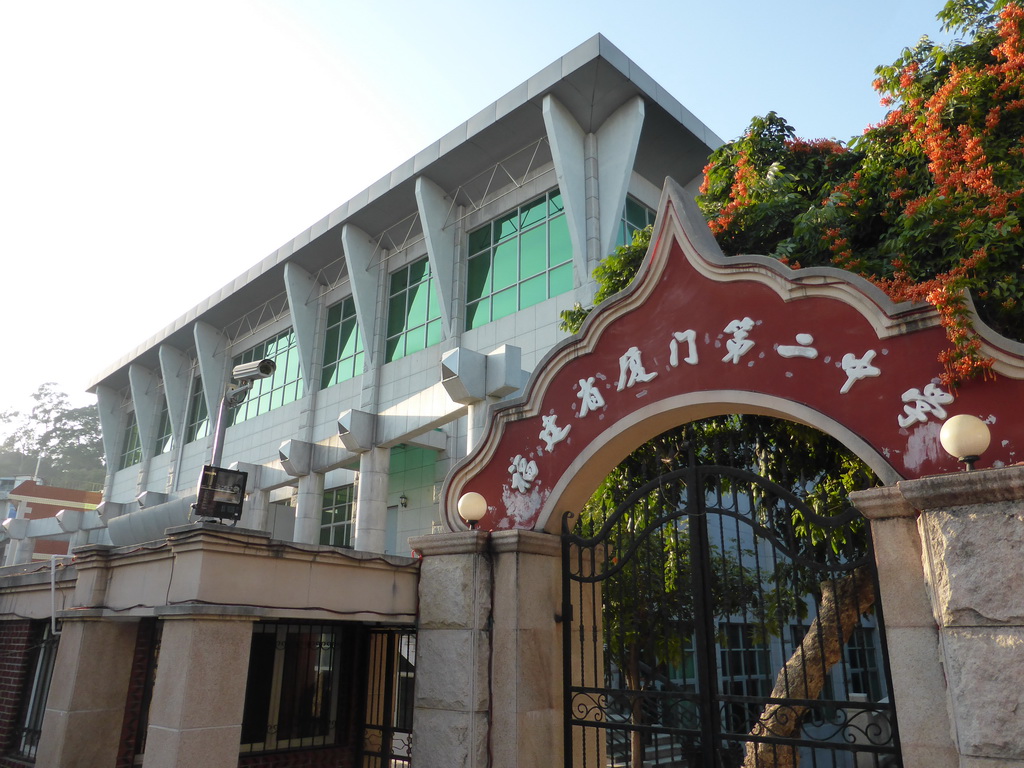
15,657
332,757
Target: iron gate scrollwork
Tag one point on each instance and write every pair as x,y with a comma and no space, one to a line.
714,619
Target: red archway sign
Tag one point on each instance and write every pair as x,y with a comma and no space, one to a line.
700,334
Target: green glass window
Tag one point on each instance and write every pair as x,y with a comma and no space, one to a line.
284,387
414,315
131,447
635,216
518,260
163,435
336,516
343,346
198,425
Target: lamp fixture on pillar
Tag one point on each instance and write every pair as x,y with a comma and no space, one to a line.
403,500
472,507
965,437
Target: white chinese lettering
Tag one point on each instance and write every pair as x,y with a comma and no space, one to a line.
631,364
590,396
690,337
552,433
739,344
921,404
804,340
858,368
523,473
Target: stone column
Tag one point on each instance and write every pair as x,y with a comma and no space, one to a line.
85,705
195,717
450,723
489,670
918,683
307,509
969,536
476,423
256,510
372,500
19,546
972,527
527,711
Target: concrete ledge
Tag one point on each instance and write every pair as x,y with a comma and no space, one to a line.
459,543
882,503
526,542
983,486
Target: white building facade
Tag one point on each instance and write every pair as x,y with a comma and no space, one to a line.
454,267
394,323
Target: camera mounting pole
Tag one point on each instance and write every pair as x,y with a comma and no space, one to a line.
245,374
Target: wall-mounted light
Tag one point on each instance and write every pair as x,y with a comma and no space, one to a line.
403,500
472,507
965,437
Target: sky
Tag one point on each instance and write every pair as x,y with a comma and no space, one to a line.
151,152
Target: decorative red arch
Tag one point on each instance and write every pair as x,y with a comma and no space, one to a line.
700,334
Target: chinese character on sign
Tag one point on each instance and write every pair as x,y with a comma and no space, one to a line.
930,401
690,337
858,368
552,433
804,348
630,363
590,396
739,344
523,473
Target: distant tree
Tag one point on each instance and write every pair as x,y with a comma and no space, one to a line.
65,439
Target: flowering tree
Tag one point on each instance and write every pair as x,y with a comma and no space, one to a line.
925,204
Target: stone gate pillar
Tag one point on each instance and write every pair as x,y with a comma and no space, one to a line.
85,706
196,713
950,554
488,670
453,644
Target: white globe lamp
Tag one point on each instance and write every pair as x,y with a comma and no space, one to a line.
472,507
965,437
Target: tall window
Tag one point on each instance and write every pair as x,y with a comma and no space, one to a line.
518,260
198,425
746,671
284,387
635,215
414,316
131,447
163,435
343,348
862,661
292,695
336,517
37,688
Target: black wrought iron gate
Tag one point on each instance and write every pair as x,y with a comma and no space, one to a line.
715,620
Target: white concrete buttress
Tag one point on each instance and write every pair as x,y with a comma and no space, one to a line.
363,277
304,307
441,246
617,142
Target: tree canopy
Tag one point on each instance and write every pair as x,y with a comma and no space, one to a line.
64,441
925,204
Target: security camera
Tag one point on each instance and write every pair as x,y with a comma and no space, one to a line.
257,369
